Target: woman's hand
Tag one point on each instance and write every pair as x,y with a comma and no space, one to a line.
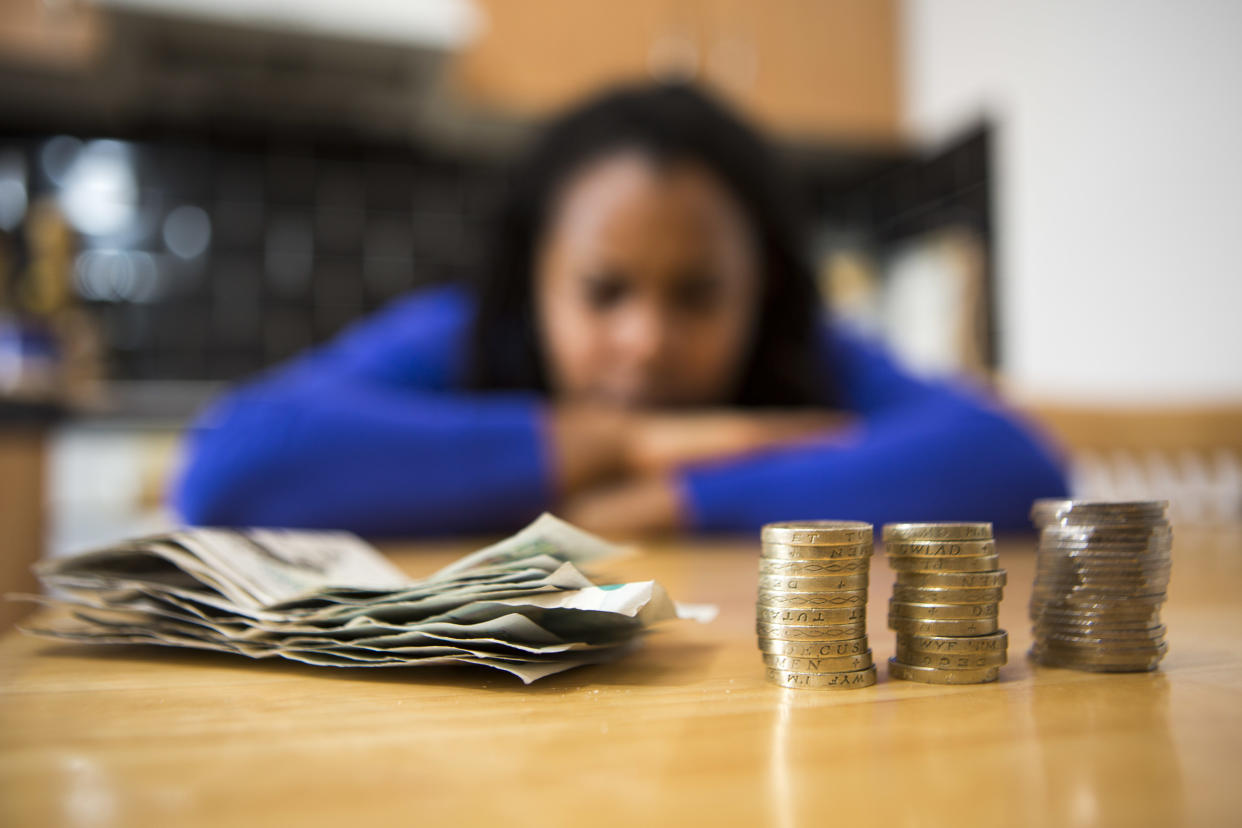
639,506
617,469
661,443
595,444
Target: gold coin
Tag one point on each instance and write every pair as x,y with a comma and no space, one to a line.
809,617
840,566
935,595
923,626
930,675
829,664
940,549
952,580
811,583
952,644
813,649
958,661
941,611
824,632
785,552
817,532
936,531
812,600
823,681
981,563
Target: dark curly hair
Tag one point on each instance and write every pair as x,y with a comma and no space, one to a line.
669,122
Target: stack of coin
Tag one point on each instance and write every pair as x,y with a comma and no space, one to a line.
812,611
945,602
1101,576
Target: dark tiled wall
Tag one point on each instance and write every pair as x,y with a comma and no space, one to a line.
217,259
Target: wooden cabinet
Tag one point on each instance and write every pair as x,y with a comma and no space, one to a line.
804,68
21,514
50,34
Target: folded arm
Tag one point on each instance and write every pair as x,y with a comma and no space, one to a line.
923,451
367,433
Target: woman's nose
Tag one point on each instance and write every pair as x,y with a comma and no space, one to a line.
643,334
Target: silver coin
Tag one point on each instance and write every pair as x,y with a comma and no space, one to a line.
1136,666
1153,634
1050,510
1123,535
1124,657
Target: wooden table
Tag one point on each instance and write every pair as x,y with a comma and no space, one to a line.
685,731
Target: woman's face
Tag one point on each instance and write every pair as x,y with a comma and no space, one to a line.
646,285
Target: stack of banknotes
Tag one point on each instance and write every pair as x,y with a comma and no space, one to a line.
522,605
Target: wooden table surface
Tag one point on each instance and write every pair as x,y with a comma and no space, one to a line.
684,731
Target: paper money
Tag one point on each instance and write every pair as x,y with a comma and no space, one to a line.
327,598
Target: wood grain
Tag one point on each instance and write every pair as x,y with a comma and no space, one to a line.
685,731
824,69
22,514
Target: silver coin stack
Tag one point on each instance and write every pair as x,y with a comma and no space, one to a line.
1101,577
945,603
811,617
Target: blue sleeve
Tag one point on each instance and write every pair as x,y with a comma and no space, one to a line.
367,434
925,451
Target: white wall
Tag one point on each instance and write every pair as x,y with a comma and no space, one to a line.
1119,170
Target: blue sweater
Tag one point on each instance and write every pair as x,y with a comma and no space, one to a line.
374,432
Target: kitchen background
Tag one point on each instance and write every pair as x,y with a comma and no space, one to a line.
1037,196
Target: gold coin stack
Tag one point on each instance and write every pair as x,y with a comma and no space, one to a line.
812,610
945,603
1101,576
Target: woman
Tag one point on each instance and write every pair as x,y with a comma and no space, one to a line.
648,353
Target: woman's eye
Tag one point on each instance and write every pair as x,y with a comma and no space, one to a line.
697,294
605,293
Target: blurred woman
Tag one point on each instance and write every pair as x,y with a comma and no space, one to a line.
648,352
